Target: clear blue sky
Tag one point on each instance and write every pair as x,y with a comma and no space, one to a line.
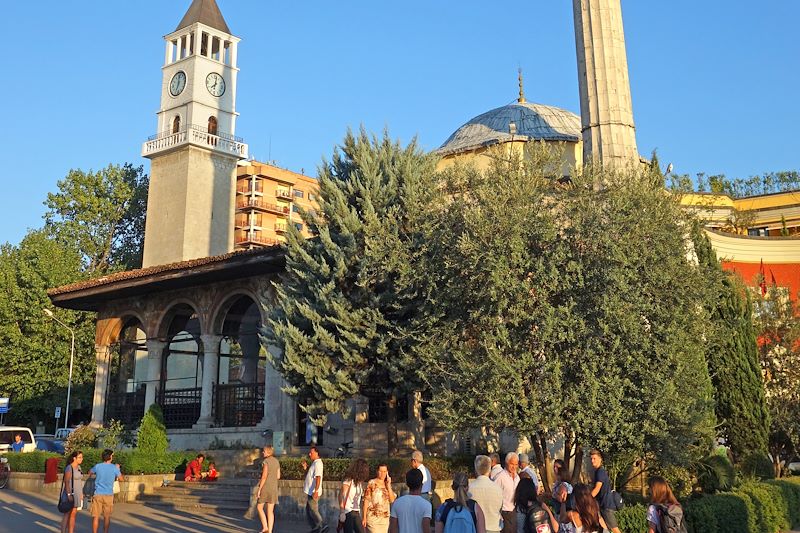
715,83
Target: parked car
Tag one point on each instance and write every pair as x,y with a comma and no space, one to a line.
50,445
63,433
794,465
7,434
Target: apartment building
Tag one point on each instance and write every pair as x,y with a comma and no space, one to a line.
268,201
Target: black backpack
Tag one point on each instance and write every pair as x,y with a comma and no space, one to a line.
670,519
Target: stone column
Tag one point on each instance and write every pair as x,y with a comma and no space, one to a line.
155,351
609,136
103,361
210,371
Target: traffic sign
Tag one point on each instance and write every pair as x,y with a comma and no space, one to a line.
5,405
58,412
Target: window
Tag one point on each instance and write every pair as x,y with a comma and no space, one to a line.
312,197
298,193
298,226
295,208
176,124
379,406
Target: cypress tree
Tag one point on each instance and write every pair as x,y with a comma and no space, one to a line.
732,357
347,313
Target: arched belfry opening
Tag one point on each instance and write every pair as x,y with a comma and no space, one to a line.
127,378
212,125
176,124
239,390
181,369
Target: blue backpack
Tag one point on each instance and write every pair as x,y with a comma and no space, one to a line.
459,519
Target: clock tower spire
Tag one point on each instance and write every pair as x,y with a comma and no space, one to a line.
190,207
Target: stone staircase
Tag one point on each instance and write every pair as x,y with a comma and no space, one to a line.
229,496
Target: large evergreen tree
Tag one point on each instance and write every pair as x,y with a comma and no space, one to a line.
569,310
347,315
732,355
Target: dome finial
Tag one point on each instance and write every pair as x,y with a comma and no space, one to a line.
521,98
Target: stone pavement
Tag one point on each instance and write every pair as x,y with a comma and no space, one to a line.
23,512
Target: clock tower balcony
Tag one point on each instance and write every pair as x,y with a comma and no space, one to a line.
196,136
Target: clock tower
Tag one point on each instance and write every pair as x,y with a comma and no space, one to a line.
190,206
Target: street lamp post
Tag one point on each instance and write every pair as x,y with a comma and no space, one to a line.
50,314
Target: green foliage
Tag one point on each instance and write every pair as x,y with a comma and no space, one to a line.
111,435
633,518
681,479
101,215
83,438
440,468
721,513
152,435
131,462
758,465
732,356
346,316
569,308
715,473
770,509
791,500
767,183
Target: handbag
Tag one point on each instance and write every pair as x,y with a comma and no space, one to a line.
64,505
342,514
116,489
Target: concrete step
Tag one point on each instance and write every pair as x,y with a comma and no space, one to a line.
187,491
221,499
205,508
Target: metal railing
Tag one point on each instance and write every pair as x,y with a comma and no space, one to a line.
238,404
126,407
181,407
255,239
258,203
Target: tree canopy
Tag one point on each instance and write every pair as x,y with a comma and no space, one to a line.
568,310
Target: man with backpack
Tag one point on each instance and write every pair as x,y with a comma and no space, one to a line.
461,514
603,492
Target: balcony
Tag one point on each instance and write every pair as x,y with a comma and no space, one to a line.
196,136
245,239
244,187
284,195
248,202
280,228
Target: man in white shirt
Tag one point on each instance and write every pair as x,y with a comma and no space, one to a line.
411,513
508,480
526,468
488,495
427,486
312,486
496,466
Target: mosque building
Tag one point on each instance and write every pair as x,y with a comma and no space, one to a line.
182,331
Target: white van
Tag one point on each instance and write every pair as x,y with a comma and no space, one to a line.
7,434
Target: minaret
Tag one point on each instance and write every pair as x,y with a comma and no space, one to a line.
609,136
190,206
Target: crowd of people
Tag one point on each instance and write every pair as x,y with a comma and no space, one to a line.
500,499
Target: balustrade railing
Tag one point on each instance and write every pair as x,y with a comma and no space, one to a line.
197,135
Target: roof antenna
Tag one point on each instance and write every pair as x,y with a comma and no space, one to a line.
521,98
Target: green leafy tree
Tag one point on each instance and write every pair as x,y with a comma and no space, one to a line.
152,434
36,350
732,356
346,319
569,310
778,325
102,215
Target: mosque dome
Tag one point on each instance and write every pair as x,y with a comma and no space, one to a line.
533,122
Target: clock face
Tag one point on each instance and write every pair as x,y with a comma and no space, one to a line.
178,83
215,84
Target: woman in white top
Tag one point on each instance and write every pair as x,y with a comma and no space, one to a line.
350,496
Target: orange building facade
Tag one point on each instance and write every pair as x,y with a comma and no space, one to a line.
269,200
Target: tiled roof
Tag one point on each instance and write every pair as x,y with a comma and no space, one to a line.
205,12
533,121
149,271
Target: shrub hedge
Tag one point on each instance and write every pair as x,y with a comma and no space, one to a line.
633,518
130,461
441,468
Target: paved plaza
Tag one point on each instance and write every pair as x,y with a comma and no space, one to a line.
23,512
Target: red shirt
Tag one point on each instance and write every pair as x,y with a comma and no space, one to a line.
192,470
